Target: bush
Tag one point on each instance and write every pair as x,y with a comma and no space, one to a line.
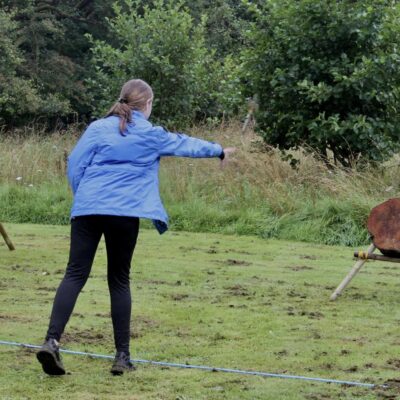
161,45
327,75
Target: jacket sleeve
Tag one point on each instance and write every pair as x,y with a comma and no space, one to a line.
181,145
81,156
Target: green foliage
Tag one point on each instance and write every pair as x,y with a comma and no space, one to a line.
326,220
164,47
45,76
188,53
46,204
18,96
226,22
327,75
228,93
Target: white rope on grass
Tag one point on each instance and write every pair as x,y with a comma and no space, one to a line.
206,368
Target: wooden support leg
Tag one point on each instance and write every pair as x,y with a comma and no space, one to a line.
246,122
6,238
351,274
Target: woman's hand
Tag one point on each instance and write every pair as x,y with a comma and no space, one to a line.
228,151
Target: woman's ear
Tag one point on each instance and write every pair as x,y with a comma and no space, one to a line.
149,106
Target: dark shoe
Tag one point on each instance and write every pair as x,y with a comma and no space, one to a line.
49,357
122,364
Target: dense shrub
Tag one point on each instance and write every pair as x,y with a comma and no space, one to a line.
327,75
162,45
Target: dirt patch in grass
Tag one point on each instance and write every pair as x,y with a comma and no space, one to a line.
155,282
388,273
188,249
65,237
392,392
300,268
394,363
306,257
318,396
310,314
179,296
394,383
212,250
231,261
60,271
361,296
237,306
354,368
281,353
162,282
217,337
237,290
142,324
14,318
240,252
24,268
293,293
103,315
46,289
84,336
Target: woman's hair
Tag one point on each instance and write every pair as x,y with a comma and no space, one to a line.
134,95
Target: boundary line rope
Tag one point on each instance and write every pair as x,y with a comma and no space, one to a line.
206,368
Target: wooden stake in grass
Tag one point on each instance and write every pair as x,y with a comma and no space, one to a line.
357,266
6,238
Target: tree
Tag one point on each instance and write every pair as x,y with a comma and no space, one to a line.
49,37
162,45
226,21
327,74
17,96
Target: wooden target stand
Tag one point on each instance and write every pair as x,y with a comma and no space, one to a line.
384,227
6,238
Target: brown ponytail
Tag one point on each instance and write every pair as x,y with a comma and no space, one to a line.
134,96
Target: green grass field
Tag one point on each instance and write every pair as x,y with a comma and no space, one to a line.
206,299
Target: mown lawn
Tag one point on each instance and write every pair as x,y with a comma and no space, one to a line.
204,299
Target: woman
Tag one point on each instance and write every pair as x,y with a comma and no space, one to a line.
113,173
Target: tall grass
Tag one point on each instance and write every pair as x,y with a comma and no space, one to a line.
258,193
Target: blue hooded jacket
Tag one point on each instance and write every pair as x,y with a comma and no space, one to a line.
114,174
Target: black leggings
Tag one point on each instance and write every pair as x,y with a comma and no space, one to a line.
120,234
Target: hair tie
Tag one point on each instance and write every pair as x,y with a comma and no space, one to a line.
122,101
